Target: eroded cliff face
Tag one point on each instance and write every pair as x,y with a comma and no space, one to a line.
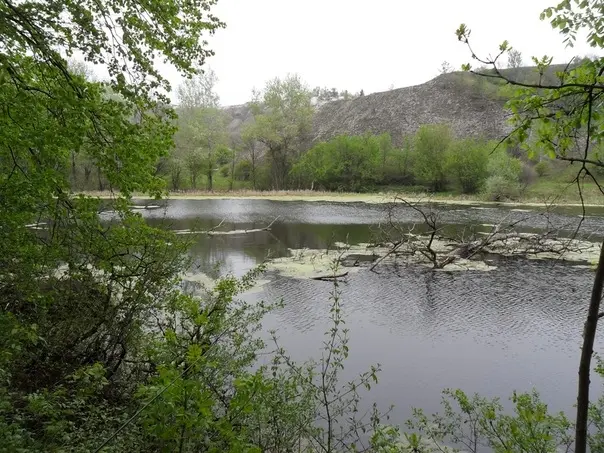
456,99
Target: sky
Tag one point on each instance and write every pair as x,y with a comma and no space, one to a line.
369,45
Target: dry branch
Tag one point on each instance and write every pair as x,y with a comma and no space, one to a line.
213,232
439,250
328,278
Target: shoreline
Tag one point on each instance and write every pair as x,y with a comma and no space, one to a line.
369,198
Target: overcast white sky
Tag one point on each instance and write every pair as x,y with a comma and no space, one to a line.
369,45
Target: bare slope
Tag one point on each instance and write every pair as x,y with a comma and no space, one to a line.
470,107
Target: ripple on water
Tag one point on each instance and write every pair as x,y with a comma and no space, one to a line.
517,327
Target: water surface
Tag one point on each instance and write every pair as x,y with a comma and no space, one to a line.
514,328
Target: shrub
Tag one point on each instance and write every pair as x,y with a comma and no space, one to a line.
542,168
504,165
466,164
499,188
399,164
225,170
344,163
431,144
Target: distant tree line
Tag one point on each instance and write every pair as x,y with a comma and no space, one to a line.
275,150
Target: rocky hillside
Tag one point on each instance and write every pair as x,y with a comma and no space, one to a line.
471,105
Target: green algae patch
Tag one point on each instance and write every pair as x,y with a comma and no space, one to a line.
309,263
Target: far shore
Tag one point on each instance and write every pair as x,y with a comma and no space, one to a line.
383,197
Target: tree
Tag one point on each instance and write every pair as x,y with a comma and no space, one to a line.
233,154
467,164
175,168
78,298
343,163
199,91
445,67
202,127
283,119
514,59
565,120
430,148
251,149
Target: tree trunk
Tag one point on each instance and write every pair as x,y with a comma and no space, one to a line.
254,171
589,334
87,173
100,179
74,174
232,172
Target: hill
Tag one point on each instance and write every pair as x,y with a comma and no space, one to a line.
472,105
456,99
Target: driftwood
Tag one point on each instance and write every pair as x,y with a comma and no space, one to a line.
213,231
327,278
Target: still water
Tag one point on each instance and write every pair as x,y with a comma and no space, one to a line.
515,328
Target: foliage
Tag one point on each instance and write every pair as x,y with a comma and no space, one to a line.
474,424
466,164
243,170
542,168
398,167
283,118
200,140
198,91
564,119
344,163
514,59
430,147
499,188
335,423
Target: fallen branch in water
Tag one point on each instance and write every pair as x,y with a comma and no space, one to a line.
390,252
216,227
213,232
327,278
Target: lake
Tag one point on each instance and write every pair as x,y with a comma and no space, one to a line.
514,328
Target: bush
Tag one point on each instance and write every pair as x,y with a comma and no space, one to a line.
504,165
499,188
343,164
431,144
399,165
466,164
542,168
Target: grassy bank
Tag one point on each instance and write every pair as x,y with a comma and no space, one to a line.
538,194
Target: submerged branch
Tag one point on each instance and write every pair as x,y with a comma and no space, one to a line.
213,231
328,278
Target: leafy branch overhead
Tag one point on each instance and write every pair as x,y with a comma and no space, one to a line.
565,120
128,37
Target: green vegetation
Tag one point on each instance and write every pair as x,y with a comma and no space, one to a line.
431,160
342,164
466,165
100,347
